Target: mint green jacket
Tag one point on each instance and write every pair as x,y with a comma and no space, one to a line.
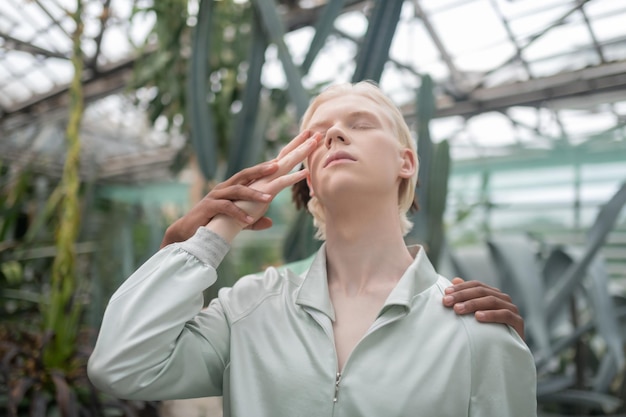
267,345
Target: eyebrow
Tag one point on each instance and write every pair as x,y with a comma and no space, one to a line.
362,113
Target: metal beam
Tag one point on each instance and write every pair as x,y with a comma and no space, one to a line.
19,45
104,17
457,77
607,79
511,36
532,39
52,19
116,76
108,80
593,36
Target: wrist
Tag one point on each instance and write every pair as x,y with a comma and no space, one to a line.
226,227
168,237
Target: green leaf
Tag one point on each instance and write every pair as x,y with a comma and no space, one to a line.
374,51
244,149
12,271
203,134
324,26
605,220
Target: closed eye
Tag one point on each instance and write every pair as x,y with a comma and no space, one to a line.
363,120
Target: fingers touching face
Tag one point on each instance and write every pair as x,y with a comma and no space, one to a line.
292,155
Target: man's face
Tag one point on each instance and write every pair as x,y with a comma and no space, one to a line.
359,150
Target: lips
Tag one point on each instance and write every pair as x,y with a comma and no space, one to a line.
336,156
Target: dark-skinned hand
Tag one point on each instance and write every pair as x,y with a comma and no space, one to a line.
488,304
220,200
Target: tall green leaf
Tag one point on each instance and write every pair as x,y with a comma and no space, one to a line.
374,51
243,151
425,110
605,220
521,277
437,189
323,27
203,133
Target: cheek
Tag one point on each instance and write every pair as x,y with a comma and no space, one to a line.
313,161
314,164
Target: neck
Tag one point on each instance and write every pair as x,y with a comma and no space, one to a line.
364,247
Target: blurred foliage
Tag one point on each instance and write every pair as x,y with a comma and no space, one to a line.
43,345
40,359
166,67
29,384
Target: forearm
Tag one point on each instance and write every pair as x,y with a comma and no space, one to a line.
147,329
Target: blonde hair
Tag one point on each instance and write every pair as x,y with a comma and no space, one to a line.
369,90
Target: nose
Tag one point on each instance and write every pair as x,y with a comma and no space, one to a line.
334,134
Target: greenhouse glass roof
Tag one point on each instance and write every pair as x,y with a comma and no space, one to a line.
511,75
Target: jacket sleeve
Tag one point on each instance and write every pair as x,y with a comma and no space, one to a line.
155,343
503,373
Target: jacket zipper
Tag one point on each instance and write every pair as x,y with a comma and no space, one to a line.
377,325
337,380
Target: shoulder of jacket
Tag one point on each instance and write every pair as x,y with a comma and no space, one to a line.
251,291
494,341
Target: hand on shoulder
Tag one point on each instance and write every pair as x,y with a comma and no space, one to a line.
489,304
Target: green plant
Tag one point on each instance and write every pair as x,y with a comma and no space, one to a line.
207,50
62,313
43,345
434,173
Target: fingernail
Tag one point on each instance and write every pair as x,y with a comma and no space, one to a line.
480,315
449,290
266,197
448,299
249,219
460,307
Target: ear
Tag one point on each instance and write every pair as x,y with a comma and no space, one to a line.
308,183
409,163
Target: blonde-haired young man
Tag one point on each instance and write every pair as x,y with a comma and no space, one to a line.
363,332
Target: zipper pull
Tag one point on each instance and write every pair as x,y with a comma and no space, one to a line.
337,379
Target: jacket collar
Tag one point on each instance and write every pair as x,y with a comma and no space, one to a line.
314,289
419,276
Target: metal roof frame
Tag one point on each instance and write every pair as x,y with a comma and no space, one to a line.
461,92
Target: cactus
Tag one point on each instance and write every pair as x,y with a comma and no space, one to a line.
434,173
